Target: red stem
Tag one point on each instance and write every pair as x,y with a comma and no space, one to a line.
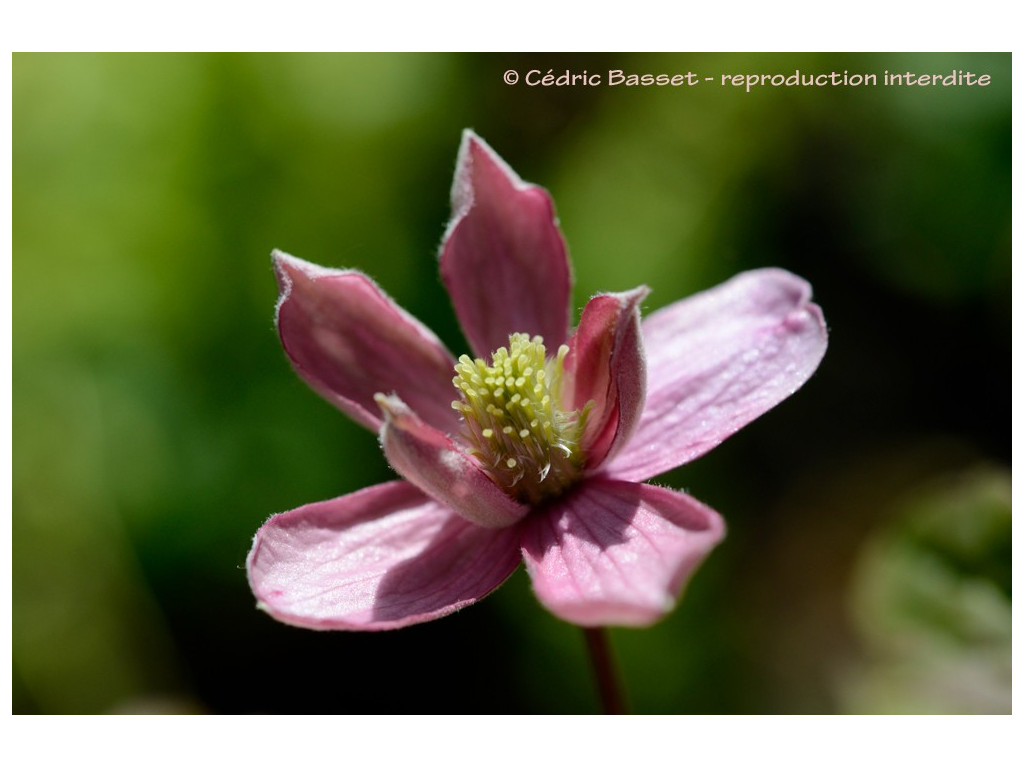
612,700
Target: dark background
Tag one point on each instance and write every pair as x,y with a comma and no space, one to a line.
157,423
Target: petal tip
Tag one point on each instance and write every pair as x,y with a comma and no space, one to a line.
817,316
287,268
473,153
634,297
391,406
470,138
795,285
282,263
285,263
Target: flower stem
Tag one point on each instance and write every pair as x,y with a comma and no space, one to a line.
612,700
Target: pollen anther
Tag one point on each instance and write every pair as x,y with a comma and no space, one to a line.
514,421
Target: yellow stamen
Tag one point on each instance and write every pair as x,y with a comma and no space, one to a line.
514,422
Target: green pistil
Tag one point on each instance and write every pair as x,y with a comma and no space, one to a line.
514,422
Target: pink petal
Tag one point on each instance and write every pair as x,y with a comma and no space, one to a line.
432,462
349,341
718,360
381,558
606,365
617,553
503,257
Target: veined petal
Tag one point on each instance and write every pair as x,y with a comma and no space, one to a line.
606,366
503,258
381,558
431,461
617,553
718,360
348,340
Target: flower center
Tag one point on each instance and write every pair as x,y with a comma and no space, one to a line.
513,420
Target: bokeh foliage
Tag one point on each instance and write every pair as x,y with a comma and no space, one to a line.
157,423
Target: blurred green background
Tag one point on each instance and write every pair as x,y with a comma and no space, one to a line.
157,422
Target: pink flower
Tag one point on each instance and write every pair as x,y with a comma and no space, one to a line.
539,451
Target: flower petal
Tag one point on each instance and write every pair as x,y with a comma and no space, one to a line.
431,461
381,558
606,365
718,360
349,341
617,553
503,258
